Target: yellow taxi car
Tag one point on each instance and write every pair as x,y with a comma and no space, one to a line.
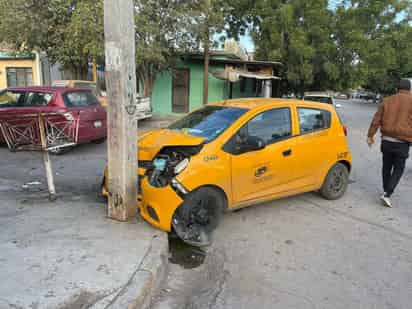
238,153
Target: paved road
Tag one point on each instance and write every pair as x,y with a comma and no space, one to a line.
305,252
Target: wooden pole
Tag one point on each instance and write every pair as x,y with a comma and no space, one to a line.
206,70
121,91
46,159
94,71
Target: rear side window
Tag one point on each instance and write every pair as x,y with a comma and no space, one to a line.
311,119
38,99
11,98
80,99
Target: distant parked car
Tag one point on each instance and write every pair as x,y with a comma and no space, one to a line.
70,102
321,98
144,107
341,96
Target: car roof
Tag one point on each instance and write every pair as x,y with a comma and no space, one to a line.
263,103
46,89
73,81
318,96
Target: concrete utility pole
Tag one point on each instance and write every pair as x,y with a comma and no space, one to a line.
121,90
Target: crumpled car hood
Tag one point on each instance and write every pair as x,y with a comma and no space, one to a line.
152,142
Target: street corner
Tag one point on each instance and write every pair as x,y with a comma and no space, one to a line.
68,254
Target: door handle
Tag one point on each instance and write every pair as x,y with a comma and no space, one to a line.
260,171
287,153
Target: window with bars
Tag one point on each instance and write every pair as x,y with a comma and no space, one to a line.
17,77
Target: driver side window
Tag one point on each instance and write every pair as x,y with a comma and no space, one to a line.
269,127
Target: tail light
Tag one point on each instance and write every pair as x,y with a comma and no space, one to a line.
68,116
345,130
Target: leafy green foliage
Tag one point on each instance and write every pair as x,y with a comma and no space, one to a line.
377,36
69,31
358,43
161,35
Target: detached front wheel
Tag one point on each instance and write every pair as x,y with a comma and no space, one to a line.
336,182
60,151
199,215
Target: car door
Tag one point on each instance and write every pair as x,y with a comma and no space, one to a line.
313,144
261,173
38,102
10,103
25,112
92,116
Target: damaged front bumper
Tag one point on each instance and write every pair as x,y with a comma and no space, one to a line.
158,205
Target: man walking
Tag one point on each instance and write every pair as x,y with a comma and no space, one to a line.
394,119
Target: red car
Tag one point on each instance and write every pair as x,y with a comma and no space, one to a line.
70,102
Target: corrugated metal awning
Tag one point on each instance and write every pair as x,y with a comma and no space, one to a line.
235,75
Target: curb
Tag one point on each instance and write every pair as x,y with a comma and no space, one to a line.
137,293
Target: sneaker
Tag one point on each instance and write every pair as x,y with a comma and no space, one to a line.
386,201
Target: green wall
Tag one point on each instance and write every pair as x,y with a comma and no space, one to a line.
218,89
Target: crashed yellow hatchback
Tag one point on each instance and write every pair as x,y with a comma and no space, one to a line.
234,154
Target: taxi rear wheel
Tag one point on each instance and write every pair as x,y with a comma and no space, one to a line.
336,182
199,215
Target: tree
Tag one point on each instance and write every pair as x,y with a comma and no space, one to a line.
376,37
69,31
208,19
358,43
297,33
161,35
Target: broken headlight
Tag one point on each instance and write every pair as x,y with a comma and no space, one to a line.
168,163
180,167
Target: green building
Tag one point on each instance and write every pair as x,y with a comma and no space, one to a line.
181,90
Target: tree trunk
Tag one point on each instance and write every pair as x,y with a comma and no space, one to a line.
206,70
147,78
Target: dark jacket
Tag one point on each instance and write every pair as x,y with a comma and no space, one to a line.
394,117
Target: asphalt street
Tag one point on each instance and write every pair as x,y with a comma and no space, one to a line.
306,252
300,252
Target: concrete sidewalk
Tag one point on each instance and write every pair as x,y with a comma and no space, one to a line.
69,255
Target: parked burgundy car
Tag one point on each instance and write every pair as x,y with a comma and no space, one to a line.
77,102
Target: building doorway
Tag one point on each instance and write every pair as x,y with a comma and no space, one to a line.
180,90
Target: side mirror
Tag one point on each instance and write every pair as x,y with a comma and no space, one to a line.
338,105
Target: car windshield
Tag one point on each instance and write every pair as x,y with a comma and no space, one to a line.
208,122
11,98
327,100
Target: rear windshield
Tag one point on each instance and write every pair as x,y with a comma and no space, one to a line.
11,98
327,100
87,86
80,99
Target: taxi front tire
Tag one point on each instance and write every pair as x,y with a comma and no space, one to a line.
336,182
201,211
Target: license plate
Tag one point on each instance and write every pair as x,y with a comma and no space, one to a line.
97,124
